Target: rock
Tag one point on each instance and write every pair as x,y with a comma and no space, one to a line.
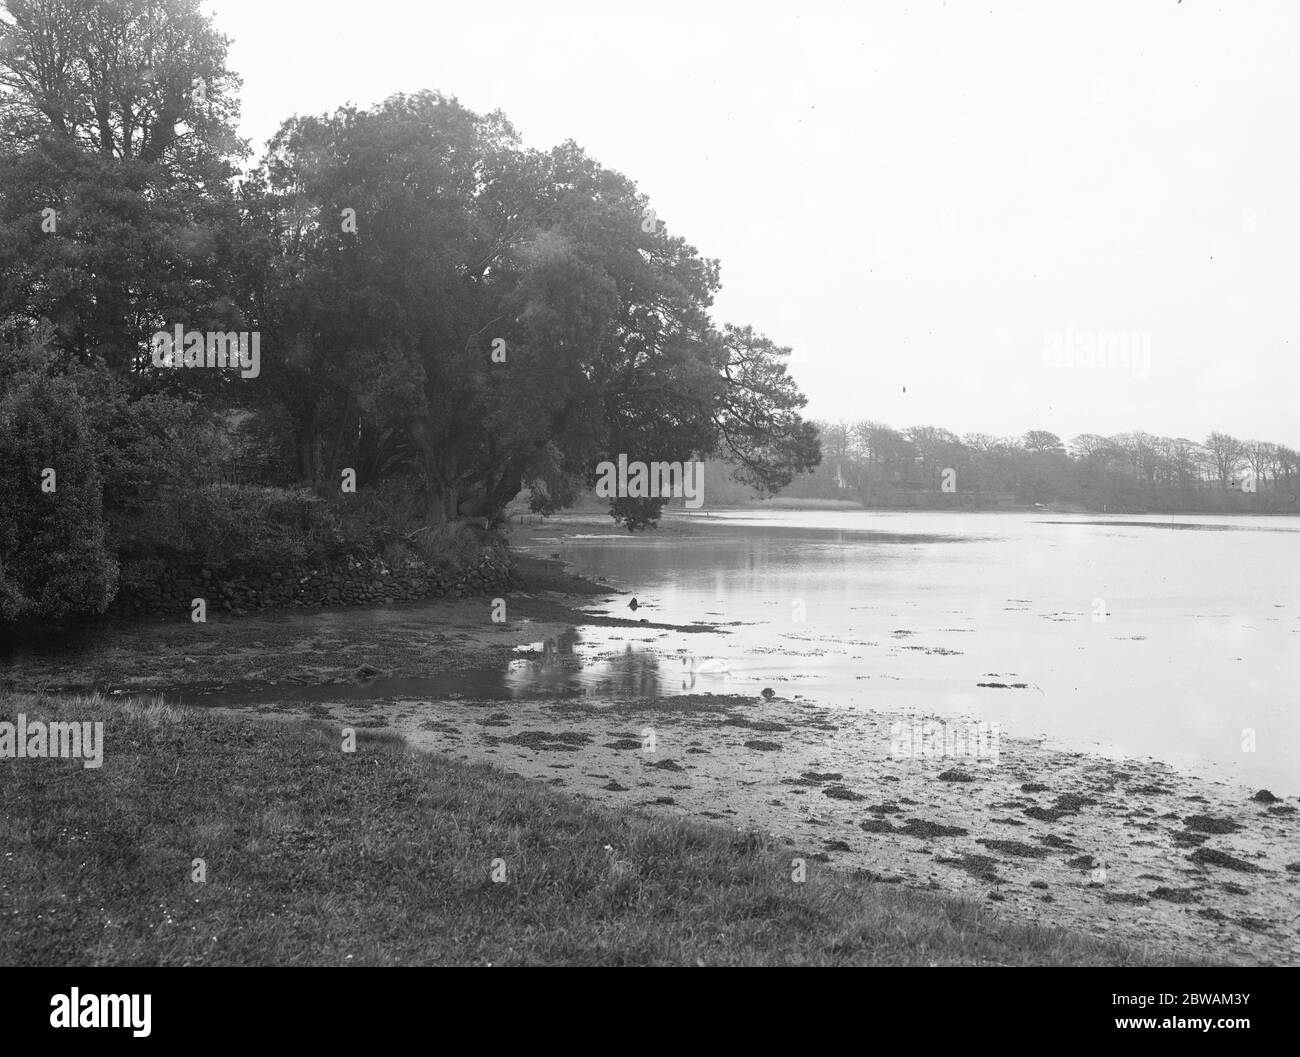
1265,797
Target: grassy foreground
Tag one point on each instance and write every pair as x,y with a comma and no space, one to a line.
384,856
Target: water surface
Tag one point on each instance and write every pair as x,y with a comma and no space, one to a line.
1173,638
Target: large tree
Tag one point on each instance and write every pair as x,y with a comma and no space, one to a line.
444,301
116,148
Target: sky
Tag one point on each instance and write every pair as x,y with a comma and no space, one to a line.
992,217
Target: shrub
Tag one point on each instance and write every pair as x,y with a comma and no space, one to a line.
53,560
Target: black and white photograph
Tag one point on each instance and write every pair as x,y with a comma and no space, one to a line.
697,484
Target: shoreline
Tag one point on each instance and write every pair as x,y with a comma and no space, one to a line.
308,852
1024,837
1027,836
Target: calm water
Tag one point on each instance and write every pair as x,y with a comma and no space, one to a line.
1200,640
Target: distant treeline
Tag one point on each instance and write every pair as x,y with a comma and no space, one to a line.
873,464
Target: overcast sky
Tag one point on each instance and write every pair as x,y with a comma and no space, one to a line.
931,197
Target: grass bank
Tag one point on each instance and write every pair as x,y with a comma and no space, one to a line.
384,856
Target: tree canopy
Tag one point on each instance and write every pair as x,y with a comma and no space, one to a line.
440,308
443,299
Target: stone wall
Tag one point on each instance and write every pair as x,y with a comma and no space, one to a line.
151,589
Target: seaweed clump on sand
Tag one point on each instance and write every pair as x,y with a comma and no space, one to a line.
1210,824
1213,857
955,775
1014,847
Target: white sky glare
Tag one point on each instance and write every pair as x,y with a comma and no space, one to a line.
921,195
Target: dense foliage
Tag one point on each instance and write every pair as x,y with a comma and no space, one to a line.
443,318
